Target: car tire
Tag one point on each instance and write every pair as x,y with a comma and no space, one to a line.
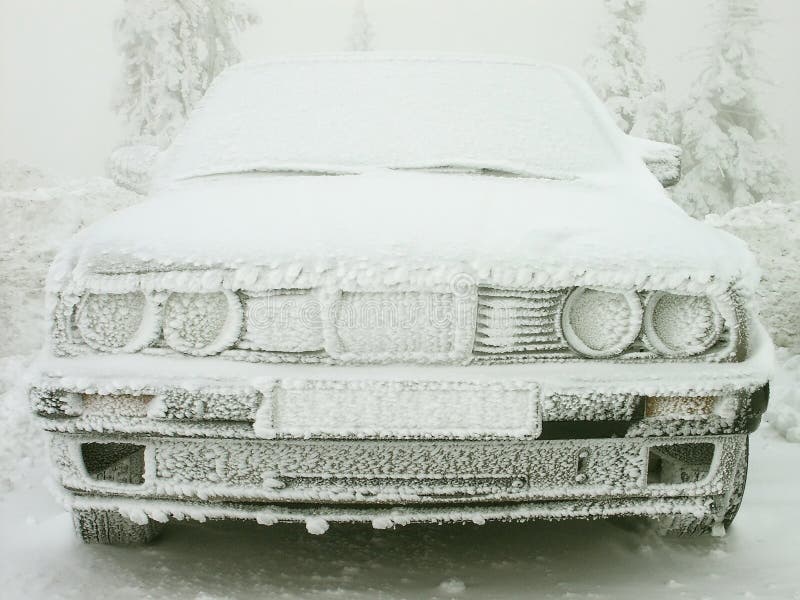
110,527
690,526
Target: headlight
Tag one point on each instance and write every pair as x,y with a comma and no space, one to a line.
601,323
117,322
678,325
202,324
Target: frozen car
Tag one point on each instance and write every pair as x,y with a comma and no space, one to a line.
396,290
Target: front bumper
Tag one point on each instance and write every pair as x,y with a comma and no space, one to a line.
411,480
298,442
380,472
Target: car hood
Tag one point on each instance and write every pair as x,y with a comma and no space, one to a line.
508,230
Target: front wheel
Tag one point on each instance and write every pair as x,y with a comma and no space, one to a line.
688,525
110,527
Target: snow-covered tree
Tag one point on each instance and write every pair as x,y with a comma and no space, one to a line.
653,119
361,29
618,72
730,157
172,50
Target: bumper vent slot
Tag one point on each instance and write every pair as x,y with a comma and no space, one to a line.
676,464
118,463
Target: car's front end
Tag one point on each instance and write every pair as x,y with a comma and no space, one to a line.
497,410
493,347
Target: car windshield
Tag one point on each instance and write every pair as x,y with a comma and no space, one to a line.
349,115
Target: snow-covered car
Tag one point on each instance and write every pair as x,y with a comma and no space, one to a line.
396,290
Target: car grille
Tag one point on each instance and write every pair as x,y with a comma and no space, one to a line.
514,324
485,325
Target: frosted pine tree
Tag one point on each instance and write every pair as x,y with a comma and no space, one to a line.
172,50
730,155
361,29
653,120
618,73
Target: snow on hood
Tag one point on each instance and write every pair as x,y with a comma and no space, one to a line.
507,230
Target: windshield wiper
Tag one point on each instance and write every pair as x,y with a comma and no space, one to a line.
484,171
454,169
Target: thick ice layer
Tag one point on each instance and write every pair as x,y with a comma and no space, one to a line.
381,225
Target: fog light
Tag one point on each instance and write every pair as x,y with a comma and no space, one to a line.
115,405
679,407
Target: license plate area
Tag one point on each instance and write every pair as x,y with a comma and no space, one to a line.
399,409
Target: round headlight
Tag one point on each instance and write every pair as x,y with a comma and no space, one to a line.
601,323
117,322
678,325
202,324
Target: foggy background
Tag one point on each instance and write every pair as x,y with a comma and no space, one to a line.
59,67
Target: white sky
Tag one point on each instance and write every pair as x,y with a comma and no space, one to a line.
58,64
